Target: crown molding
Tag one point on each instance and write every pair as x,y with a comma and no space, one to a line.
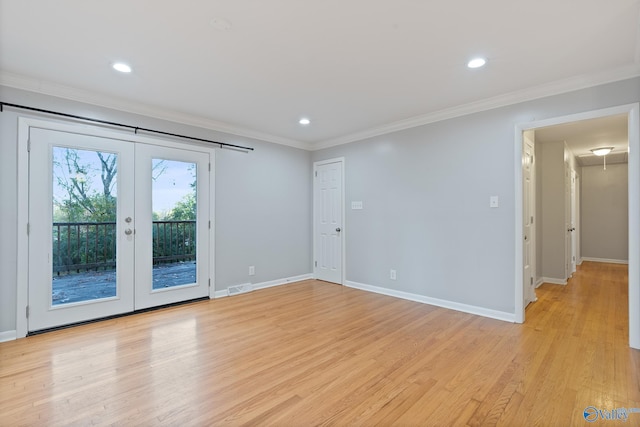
529,94
541,91
30,84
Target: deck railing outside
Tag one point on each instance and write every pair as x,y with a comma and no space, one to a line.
84,246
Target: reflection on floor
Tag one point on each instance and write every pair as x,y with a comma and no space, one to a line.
91,285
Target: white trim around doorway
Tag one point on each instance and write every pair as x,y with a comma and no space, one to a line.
24,126
633,113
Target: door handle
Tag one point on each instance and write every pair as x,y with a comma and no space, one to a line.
338,229
128,232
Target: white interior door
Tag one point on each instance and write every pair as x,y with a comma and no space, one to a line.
114,226
328,227
172,225
528,196
78,211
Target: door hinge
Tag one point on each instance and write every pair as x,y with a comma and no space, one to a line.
316,174
316,263
27,312
28,229
531,280
209,282
209,224
209,167
531,219
29,145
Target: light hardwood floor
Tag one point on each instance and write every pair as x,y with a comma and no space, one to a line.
314,353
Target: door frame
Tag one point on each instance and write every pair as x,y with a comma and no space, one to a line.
24,125
574,221
343,233
633,113
533,241
568,238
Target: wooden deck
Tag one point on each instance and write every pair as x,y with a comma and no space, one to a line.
313,353
91,285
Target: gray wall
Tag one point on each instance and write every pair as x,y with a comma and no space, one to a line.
263,201
605,226
426,200
553,210
425,191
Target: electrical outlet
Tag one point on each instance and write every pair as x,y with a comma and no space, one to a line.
392,274
252,270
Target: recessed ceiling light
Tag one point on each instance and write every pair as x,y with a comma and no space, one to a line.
476,63
304,121
122,67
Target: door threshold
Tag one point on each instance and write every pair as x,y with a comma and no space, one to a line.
115,316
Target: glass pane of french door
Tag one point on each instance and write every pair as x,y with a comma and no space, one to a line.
174,207
172,226
84,203
81,247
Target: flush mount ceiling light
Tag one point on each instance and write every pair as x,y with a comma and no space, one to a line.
476,63
122,67
602,151
304,121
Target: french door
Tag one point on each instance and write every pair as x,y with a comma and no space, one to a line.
114,226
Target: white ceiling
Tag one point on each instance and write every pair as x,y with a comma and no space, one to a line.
583,136
354,67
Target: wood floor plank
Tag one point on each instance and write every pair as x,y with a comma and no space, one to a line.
314,353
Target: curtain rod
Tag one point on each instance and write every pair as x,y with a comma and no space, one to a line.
135,128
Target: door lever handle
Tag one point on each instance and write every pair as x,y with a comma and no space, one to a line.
338,229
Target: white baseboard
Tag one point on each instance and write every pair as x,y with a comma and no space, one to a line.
554,281
8,336
471,309
223,293
606,260
539,282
